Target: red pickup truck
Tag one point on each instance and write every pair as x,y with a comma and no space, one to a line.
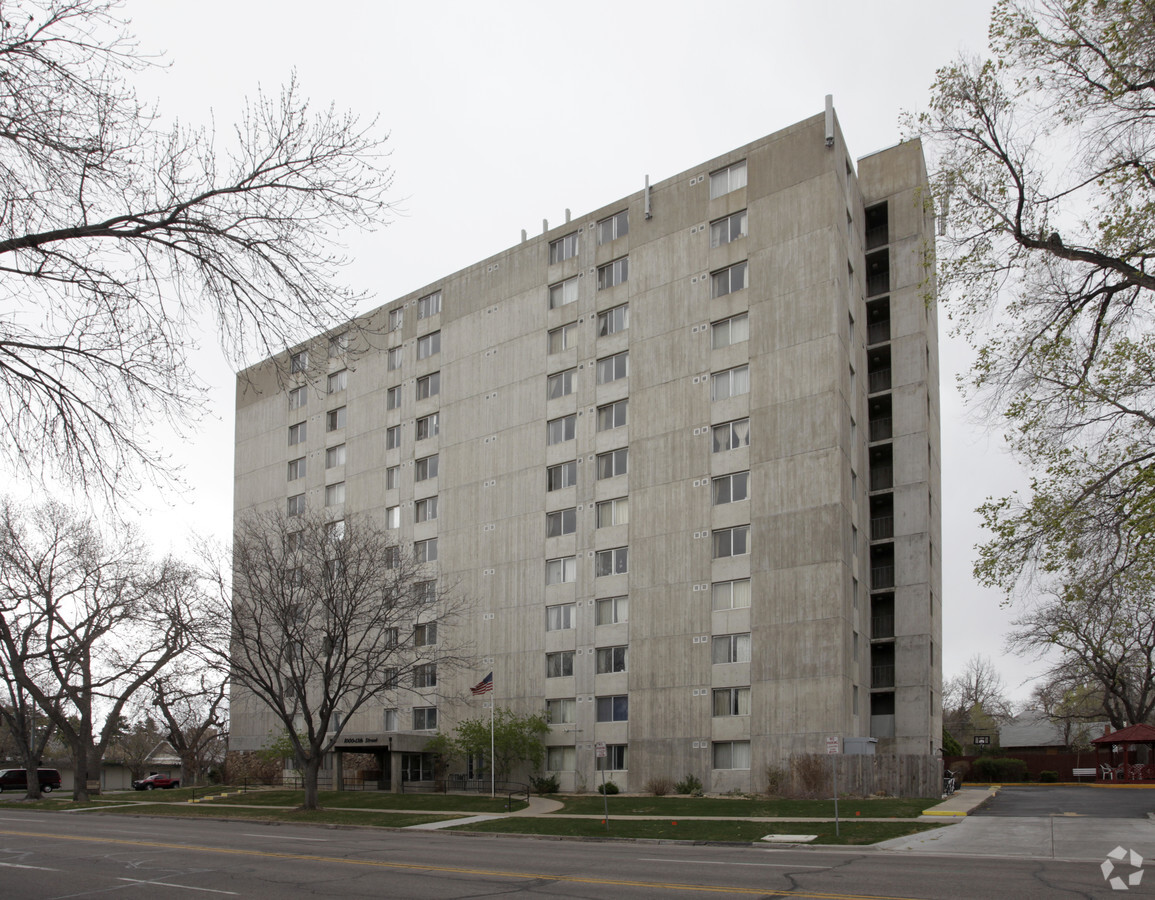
154,781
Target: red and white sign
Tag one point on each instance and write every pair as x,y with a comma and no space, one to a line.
832,746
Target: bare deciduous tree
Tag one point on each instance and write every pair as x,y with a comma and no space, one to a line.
86,622
194,708
118,236
326,617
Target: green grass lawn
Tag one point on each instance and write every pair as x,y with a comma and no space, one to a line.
742,807
315,817
368,800
691,830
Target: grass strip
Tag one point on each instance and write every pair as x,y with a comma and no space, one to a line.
743,807
697,830
371,800
299,816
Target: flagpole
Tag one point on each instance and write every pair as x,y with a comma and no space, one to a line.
492,783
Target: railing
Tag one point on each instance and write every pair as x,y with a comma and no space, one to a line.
880,380
876,237
878,283
880,429
882,626
511,790
881,477
881,527
881,577
881,676
878,332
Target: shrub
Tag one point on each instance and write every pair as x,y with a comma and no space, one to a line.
608,788
659,787
1000,768
545,784
689,785
776,779
1048,777
810,774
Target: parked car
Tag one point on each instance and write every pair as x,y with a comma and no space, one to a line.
154,781
17,780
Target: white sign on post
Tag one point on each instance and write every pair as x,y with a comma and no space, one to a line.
832,745
600,750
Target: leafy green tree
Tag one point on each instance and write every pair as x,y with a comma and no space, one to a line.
1046,186
517,739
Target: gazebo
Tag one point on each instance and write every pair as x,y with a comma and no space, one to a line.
1127,755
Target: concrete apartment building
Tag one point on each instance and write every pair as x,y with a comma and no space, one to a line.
679,454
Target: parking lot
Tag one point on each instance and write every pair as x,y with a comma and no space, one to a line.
1071,800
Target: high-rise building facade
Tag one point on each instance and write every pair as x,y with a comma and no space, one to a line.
679,455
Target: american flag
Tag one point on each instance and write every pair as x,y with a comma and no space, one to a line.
484,686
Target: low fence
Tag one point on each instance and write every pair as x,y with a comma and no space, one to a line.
1062,763
890,774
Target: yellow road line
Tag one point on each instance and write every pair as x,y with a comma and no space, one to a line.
457,870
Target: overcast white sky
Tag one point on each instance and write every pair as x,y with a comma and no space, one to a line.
505,113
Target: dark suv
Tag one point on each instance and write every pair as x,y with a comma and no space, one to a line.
17,780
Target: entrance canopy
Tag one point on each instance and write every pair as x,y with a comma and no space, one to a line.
1126,755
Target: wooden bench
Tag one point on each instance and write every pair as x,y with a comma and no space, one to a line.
1088,772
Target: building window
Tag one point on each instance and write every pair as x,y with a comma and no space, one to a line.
335,418
338,344
731,754
728,179
561,712
613,709
425,551
560,617
335,494
563,293
428,426
298,397
426,591
393,359
732,701
559,522
296,469
338,381
612,562
561,571
732,594
395,318
731,435
612,368
611,659
391,677
613,611
730,331
732,488
613,464
613,273
296,505
392,560
392,476
425,635
731,383
425,468
297,434
732,541
561,476
560,385
390,721
613,227
425,675
393,397
563,338
392,516
429,305
727,229
613,512
731,648
392,437
425,510
425,718
335,456
559,665
428,386
560,759
614,760
428,344
728,280
299,361
563,248
614,320
613,415
560,430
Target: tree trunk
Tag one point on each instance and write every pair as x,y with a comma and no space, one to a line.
80,773
32,768
312,769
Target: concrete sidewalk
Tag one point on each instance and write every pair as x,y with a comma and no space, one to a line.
962,802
